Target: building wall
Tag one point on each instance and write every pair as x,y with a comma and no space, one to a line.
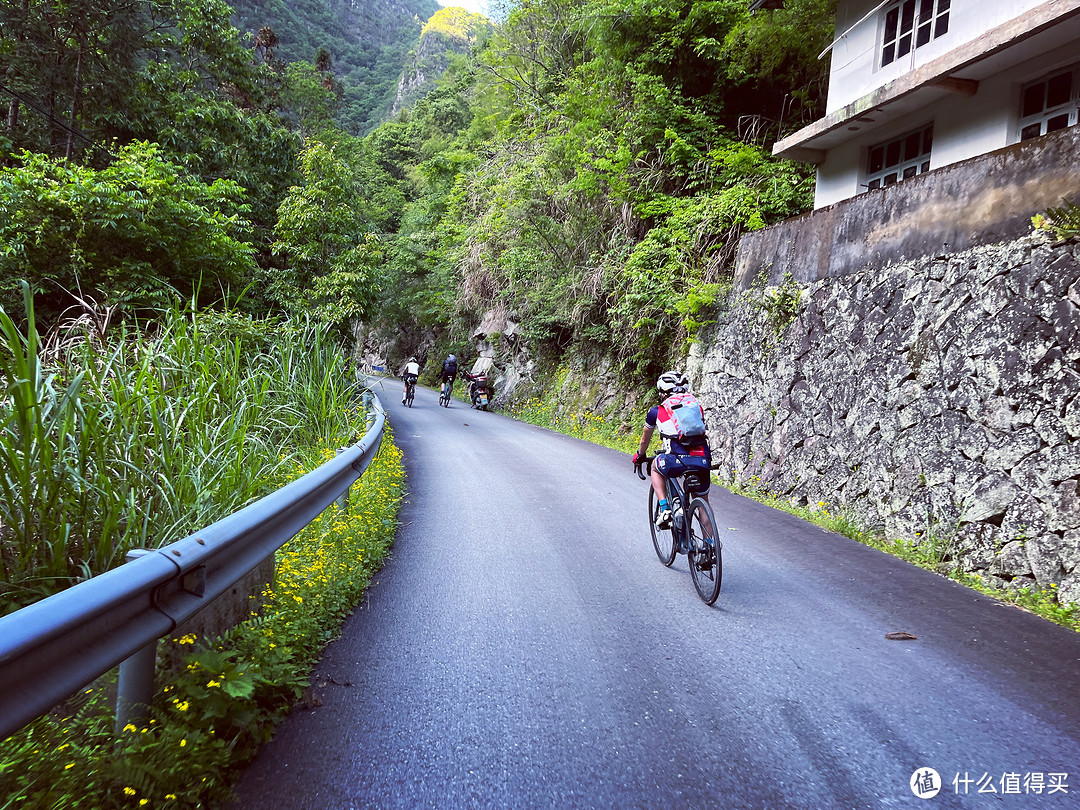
982,200
841,175
964,126
936,398
854,70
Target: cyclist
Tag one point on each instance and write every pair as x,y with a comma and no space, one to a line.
409,377
679,455
448,372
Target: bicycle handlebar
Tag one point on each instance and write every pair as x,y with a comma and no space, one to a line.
648,467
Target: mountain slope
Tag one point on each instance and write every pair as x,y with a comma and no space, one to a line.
449,31
367,39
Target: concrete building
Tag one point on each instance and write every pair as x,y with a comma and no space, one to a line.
917,85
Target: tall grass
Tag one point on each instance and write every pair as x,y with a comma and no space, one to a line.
140,437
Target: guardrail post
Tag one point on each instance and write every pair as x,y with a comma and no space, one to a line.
135,689
342,502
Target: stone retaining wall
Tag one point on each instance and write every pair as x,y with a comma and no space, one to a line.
937,398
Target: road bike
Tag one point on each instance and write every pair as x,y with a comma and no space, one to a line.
686,532
447,389
410,390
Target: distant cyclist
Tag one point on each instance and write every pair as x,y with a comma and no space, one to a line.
449,370
409,376
685,444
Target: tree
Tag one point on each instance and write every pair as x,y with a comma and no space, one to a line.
137,233
333,258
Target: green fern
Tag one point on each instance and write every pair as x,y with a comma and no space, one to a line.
1063,221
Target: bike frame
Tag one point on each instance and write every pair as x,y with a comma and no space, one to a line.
678,527
703,556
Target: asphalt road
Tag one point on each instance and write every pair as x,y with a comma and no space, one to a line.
524,648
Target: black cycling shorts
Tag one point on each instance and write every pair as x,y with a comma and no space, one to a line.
673,465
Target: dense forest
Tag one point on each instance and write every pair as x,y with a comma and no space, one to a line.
585,166
366,44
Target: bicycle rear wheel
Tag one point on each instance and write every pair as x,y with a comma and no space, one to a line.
706,567
663,540
410,395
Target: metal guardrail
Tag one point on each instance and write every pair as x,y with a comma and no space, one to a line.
53,648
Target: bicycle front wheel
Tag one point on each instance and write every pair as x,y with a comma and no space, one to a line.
663,540
706,568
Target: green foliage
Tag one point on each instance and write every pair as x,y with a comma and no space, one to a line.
367,42
333,259
781,303
209,718
1062,221
139,437
136,233
69,67
596,188
772,67
306,96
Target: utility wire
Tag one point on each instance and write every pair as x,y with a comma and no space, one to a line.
20,97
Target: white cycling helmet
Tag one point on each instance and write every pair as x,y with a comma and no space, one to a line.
672,382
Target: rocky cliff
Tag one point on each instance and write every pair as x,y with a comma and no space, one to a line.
939,399
449,31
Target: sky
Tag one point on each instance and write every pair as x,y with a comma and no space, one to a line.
475,6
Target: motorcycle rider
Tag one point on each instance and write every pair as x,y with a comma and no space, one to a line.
477,382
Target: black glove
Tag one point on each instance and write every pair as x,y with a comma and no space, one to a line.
639,458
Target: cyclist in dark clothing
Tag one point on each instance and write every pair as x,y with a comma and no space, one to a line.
449,369
447,375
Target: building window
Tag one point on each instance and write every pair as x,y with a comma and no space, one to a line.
910,24
899,159
1049,104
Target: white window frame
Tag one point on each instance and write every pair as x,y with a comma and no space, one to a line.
908,163
918,23
1051,117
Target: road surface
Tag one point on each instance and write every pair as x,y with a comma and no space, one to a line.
524,648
